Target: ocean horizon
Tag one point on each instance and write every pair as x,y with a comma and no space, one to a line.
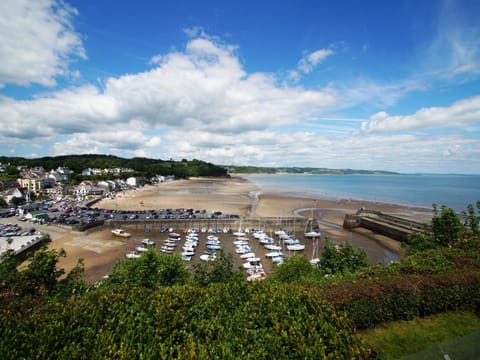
420,190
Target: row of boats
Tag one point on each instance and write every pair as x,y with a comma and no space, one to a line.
137,252
275,246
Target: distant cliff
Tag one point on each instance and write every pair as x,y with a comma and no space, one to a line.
302,170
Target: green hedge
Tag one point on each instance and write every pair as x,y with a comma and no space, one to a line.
372,301
232,321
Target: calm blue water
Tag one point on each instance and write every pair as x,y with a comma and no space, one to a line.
454,191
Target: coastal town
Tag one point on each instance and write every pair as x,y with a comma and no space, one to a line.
133,213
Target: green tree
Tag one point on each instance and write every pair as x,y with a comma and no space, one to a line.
472,220
294,269
3,202
41,276
8,268
151,270
418,242
219,270
342,258
447,227
17,200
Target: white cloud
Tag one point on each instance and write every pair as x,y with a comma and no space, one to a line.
203,88
454,52
310,61
37,41
463,113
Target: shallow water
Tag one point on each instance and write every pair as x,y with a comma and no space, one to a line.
455,191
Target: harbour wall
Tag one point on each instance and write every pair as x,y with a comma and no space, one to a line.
391,226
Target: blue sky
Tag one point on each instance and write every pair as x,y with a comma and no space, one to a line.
337,84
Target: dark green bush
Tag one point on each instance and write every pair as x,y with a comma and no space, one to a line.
221,321
372,301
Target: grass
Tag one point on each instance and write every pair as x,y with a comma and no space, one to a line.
394,340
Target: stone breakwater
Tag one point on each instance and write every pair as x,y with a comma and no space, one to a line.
391,226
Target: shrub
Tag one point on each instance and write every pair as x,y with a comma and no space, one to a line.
373,301
221,321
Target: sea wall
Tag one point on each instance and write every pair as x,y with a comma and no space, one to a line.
391,226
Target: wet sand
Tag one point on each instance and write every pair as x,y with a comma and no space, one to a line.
100,249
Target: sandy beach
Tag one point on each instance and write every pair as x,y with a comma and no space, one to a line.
235,195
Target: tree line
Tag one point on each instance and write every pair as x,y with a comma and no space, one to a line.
143,167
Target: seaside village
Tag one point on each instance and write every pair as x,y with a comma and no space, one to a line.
44,197
52,185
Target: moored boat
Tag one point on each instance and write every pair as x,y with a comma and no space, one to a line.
148,242
132,255
313,234
296,247
121,233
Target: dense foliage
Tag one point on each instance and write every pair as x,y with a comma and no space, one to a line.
342,258
151,270
447,229
222,321
218,271
39,277
141,166
336,260
376,300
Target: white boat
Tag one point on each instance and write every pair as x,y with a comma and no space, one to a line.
214,247
174,236
243,249
167,248
188,253
315,260
186,258
247,255
170,243
266,240
212,238
277,260
273,254
132,255
258,234
241,242
148,242
141,248
280,232
121,233
208,257
296,247
239,233
313,234
291,241
213,242
273,247
253,263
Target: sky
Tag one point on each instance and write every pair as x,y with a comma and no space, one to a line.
376,85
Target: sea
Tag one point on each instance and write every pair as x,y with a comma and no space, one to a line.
420,190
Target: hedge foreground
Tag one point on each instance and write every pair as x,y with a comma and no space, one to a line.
223,321
372,301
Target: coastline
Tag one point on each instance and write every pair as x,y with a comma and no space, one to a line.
234,195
